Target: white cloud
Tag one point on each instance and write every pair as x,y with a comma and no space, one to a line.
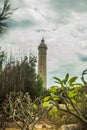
64,40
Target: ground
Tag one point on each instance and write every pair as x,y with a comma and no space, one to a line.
42,125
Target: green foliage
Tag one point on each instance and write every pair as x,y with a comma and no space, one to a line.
68,88
68,96
67,82
21,76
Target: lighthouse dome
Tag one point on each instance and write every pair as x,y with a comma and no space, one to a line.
42,44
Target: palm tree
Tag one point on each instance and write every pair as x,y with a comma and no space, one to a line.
5,14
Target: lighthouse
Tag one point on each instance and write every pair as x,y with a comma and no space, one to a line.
42,62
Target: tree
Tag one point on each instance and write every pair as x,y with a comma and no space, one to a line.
19,108
5,14
73,100
2,58
21,75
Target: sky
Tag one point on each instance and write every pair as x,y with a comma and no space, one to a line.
63,25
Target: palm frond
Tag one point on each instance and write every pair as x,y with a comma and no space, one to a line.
5,15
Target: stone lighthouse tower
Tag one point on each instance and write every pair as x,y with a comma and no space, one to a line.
42,51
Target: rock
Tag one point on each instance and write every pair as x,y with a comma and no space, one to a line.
38,126
69,127
49,126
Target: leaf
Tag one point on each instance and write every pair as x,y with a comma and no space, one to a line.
72,80
53,89
58,79
75,84
57,82
46,98
72,94
74,101
66,78
52,95
46,104
56,99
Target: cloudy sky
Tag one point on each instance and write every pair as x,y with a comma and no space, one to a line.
63,25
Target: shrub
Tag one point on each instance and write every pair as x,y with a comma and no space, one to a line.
19,108
68,97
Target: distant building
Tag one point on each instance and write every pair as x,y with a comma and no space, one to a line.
42,61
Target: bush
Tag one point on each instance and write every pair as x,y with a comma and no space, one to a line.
19,108
70,98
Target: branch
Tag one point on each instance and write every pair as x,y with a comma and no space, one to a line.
72,104
80,117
